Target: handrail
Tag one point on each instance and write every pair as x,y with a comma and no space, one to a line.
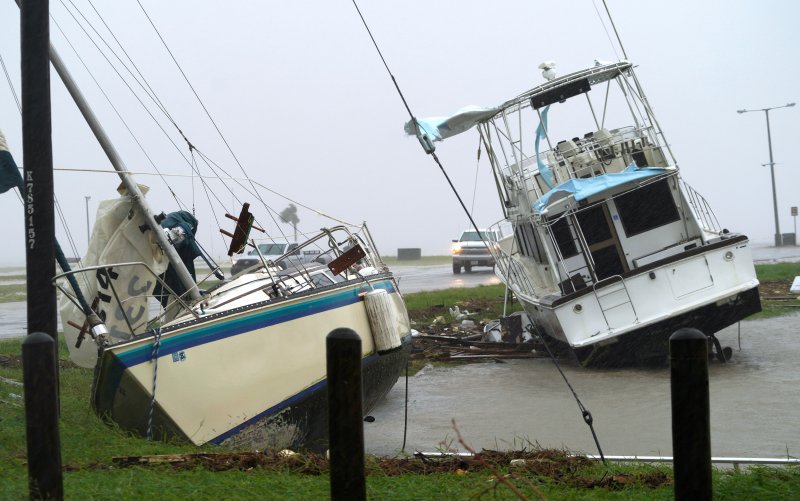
183,304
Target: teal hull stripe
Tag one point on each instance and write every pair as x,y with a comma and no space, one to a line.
202,335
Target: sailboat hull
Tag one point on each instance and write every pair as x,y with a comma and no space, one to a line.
253,378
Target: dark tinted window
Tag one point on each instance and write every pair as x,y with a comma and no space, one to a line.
564,239
646,208
594,224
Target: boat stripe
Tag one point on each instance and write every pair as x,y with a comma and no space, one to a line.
241,325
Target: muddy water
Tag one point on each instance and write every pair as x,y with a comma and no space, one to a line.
755,403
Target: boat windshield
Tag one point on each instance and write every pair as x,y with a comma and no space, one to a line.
270,249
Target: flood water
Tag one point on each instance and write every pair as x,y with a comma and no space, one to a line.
755,403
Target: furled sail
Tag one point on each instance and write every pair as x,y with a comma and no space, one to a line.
121,293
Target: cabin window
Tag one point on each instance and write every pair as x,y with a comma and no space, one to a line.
562,234
528,242
646,208
594,224
321,280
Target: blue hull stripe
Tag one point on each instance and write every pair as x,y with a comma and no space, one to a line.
222,330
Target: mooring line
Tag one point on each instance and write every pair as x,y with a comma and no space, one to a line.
587,416
154,359
428,147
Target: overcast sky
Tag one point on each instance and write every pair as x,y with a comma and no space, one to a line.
306,105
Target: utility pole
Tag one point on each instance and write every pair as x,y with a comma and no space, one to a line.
778,238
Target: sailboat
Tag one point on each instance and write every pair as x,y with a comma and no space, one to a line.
606,247
240,364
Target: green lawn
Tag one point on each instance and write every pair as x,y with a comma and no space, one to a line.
89,445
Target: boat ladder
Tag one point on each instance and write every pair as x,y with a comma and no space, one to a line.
611,297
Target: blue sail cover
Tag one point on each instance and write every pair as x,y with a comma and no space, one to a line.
582,189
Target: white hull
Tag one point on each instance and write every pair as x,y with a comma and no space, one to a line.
222,378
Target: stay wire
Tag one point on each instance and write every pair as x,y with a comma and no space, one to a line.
202,104
56,204
10,83
116,111
432,153
587,416
152,92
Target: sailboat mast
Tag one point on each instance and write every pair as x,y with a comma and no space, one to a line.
124,174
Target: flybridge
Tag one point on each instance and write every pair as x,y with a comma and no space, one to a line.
607,249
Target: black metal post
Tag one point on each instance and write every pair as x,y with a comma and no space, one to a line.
41,417
691,430
345,416
37,150
40,370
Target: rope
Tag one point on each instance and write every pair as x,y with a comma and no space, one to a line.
430,151
154,361
10,83
405,409
587,416
475,184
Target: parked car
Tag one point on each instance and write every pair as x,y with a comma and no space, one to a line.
272,251
471,250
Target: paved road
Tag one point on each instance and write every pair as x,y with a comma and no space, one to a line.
426,278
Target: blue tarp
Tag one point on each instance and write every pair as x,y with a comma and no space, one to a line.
584,188
439,128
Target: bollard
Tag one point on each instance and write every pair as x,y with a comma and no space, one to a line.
691,434
41,417
345,424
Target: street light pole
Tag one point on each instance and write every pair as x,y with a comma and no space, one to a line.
778,238
89,233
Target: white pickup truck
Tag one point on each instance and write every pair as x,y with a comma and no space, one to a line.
471,250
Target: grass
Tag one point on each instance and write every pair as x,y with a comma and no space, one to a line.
777,272
88,446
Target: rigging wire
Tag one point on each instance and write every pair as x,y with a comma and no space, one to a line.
475,184
205,109
151,94
116,111
587,416
611,20
603,24
70,239
10,83
430,150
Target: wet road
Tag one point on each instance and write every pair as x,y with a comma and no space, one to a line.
425,278
755,403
